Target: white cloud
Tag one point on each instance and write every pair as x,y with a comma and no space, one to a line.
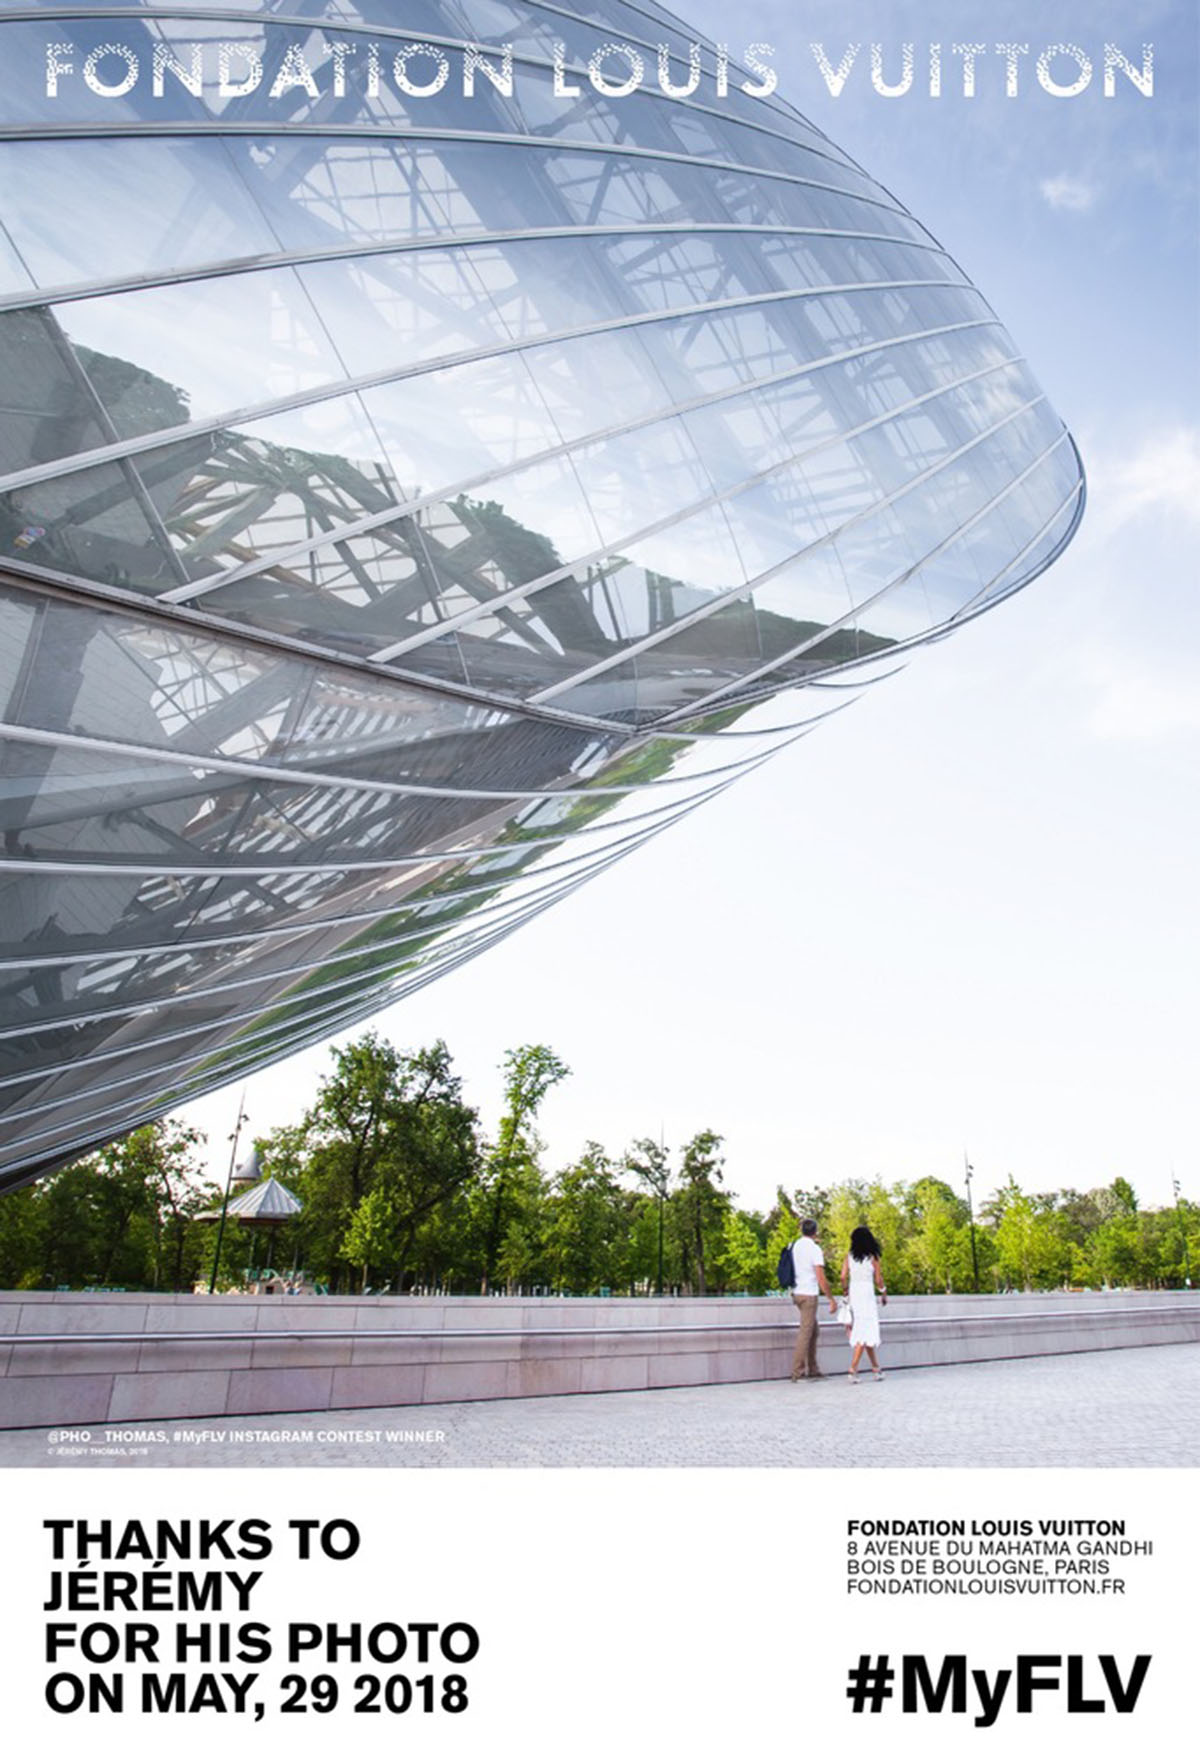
1133,706
1069,193
1160,477
1128,648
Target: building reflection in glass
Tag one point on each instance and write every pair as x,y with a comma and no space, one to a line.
402,509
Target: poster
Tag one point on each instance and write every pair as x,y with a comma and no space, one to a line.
962,909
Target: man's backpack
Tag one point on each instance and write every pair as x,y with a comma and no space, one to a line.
785,1271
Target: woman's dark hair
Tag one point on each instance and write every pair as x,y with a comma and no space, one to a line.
863,1245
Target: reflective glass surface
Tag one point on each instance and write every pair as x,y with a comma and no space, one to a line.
404,498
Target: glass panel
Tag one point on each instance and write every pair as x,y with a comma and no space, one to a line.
956,575
46,404
613,695
530,523
673,573
319,194
712,651
201,212
838,486
571,283
773,520
98,524
736,439
234,966
204,504
398,311
900,616
358,596
877,551
1035,559
597,189
717,351
205,347
843,646
664,273
405,578
283,480
533,643
16,628
801,600
14,276
597,382
451,426
633,480
809,408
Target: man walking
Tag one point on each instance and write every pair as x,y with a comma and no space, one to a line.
808,1270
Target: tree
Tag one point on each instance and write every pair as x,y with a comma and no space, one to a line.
387,1142
701,1208
889,1218
1029,1250
512,1180
940,1244
1114,1251
647,1161
587,1231
430,1152
1124,1197
180,1244
783,1227
344,1132
744,1253
810,1202
845,1211
124,1215
22,1238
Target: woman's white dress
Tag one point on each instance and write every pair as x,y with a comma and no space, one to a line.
864,1328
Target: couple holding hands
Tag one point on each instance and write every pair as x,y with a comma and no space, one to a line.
861,1278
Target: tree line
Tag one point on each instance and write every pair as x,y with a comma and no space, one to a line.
402,1190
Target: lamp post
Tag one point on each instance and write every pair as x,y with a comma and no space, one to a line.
1187,1264
968,1171
237,1131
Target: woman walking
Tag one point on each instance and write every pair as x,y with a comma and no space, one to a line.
861,1277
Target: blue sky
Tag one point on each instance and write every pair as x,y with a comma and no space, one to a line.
962,914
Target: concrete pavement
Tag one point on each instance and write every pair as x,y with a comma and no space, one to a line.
1119,1408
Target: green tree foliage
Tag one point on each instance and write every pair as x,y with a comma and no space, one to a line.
22,1232
810,1202
1177,1244
512,1185
939,1249
1030,1250
782,1227
587,1234
649,1163
400,1192
388,1141
700,1210
845,1211
744,1256
124,1217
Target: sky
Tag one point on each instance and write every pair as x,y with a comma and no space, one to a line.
960,918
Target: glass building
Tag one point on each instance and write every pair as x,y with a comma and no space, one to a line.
408,499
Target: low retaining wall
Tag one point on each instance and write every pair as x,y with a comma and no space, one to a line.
69,1358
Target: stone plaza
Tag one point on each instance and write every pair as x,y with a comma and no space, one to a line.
1136,1407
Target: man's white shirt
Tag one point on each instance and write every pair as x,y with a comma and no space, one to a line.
806,1256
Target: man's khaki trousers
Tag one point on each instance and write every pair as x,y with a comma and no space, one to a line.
804,1362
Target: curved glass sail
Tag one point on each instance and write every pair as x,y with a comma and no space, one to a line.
407,497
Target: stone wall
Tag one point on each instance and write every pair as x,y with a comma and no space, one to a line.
72,1358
